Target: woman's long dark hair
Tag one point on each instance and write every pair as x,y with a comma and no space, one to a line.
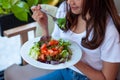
98,11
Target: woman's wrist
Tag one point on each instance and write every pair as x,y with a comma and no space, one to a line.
45,38
45,31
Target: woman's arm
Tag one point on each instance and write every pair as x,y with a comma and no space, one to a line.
108,72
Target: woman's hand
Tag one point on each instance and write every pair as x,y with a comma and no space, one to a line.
41,18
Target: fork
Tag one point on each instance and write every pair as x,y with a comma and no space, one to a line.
60,24
54,18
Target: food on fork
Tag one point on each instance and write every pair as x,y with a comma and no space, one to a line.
61,22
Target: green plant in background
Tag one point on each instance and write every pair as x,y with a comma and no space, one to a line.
18,7
21,8
44,1
51,2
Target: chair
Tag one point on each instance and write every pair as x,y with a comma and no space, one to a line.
28,71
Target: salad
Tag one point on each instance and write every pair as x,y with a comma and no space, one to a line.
61,23
51,52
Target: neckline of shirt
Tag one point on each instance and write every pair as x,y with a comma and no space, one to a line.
78,34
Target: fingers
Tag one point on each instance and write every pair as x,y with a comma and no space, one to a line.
38,7
37,16
33,8
36,12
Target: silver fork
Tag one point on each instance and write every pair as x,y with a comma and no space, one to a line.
54,18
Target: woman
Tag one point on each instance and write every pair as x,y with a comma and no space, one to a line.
95,26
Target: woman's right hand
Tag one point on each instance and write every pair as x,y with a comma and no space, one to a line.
41,18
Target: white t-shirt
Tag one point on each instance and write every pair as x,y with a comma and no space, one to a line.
109,50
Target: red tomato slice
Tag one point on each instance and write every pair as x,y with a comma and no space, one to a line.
53,42
43,51
42,57
50,51
55,53
44,46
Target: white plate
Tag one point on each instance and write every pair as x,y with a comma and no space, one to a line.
76,56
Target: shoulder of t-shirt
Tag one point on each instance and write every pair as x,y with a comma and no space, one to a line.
111,30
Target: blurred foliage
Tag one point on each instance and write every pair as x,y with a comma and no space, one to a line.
21,8
51,2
